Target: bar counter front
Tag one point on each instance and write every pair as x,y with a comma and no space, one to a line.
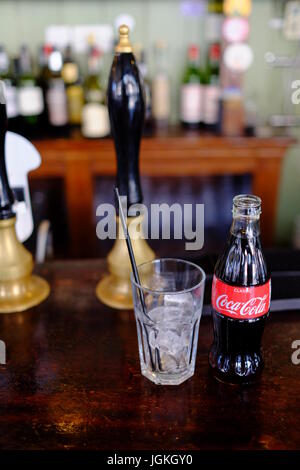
72,378
77,162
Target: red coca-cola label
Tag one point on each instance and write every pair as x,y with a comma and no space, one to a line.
242,303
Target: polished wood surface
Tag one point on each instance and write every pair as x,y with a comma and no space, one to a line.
79,161
72,381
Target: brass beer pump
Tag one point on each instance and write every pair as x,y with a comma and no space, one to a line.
19,289
126,112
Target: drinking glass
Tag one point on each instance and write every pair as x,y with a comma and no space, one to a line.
168,306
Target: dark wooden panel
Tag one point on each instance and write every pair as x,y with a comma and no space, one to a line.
178,154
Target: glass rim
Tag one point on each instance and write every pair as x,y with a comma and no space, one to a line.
247,201
154,291
246,206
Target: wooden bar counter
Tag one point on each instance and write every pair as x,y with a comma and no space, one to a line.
78,161
72,381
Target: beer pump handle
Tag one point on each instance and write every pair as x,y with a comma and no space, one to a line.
6,194
126,108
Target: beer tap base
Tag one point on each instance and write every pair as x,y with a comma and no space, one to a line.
19,289
114,289
22,294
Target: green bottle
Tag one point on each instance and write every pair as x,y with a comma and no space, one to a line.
7,76
191,91
30,97
211,87
95,119
74,89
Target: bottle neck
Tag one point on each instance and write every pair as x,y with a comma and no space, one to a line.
25,64
193,62
94,66
246,215
245,227
193,57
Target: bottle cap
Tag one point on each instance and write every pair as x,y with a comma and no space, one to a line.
124,44
215,51
47,49
193,52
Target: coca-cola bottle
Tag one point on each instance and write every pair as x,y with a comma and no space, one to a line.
241,293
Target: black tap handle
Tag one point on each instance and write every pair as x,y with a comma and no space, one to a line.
126,107
6,194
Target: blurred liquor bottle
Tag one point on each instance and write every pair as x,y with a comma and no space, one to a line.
30,97
161,87
74,88
233,115
211,88
42,80
7,75
215,6
191,93
56,97
95,119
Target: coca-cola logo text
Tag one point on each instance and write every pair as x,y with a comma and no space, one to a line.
242,302
252,308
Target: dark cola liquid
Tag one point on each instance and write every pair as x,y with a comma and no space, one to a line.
235,356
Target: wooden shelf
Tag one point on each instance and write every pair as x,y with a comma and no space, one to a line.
78,161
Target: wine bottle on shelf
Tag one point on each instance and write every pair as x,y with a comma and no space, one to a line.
95,119
161,87
30,97
191,93
56,97
211,88
42,80
74,89
7,76
43,60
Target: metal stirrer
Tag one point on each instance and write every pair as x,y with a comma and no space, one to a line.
134,269
130,252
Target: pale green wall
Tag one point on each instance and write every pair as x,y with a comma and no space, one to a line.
25,21
266,86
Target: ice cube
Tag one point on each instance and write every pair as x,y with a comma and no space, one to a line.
186,333
170,341
183,301
168,363
165,340
171,363
170,336
164,314
153,301
161,283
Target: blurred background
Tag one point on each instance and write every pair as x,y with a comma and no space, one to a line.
220,82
